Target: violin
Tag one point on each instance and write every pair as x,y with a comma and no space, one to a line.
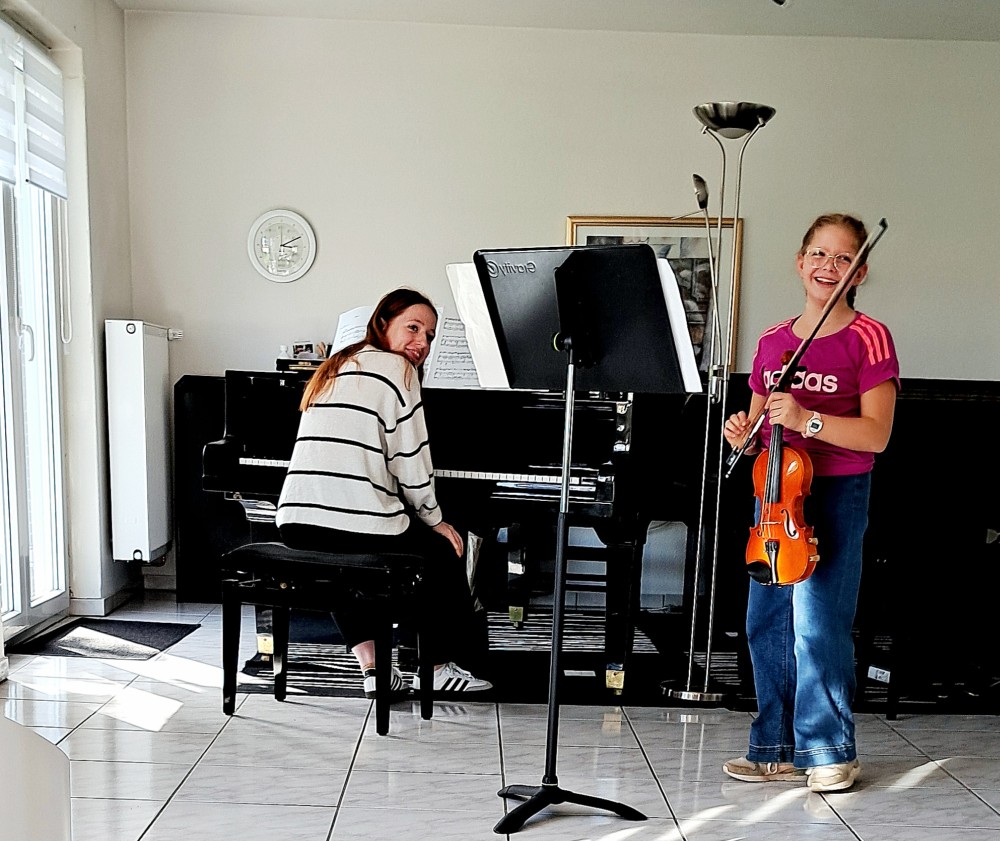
781,549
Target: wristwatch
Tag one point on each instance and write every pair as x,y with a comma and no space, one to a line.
814,425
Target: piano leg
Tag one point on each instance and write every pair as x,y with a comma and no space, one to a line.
262,531
622,589
265,632
518,583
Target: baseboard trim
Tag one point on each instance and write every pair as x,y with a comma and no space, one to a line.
102,606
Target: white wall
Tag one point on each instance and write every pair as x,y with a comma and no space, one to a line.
409,146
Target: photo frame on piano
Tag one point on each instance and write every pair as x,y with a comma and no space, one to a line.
684,243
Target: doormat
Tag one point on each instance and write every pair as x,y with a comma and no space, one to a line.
107,639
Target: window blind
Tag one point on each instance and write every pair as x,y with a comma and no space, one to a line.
32,115
46,124
8,105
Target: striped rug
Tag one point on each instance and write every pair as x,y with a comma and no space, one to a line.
582,632
324,668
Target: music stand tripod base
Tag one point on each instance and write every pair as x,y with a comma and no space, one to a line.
537,798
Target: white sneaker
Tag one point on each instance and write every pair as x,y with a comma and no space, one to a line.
450,678
395,683
838,776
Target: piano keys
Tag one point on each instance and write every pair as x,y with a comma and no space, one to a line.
504,448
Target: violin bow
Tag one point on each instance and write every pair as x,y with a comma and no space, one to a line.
788,371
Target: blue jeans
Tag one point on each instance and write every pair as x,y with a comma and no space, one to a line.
800,637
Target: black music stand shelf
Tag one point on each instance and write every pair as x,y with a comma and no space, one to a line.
604,307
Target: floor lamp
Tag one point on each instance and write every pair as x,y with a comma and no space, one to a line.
729,121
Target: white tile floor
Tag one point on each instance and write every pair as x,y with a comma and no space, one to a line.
154,758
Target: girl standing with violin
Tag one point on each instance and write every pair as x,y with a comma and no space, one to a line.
838,411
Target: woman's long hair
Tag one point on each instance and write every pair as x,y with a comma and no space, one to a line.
392,304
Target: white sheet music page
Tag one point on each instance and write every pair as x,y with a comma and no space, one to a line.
450,363
351,327
471,305
679,327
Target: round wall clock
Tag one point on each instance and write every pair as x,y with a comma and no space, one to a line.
281,245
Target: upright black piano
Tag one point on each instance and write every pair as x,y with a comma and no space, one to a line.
497,457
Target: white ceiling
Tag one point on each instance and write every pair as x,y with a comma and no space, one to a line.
950,20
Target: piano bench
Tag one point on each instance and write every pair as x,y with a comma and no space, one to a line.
276,576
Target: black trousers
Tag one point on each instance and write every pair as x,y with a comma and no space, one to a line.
451,629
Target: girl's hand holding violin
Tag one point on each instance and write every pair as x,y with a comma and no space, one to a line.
784,409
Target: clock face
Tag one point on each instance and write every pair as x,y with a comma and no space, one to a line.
281,245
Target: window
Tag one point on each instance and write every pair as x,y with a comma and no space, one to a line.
34,322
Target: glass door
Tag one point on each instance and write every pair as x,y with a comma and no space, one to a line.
10,525
33,325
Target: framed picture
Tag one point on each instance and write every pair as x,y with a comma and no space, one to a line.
303,350
685,244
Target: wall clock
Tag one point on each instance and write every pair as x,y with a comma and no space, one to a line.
281,245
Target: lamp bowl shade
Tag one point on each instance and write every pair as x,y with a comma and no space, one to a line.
733,119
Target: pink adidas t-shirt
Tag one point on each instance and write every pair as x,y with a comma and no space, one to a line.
834,372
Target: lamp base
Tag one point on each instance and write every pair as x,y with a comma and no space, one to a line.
699,697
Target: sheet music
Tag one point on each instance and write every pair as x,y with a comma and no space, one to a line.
482,341
679,327
450,363
351,327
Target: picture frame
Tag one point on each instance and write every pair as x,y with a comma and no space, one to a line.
685,244
303,350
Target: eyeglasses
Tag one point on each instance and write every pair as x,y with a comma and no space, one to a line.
818,258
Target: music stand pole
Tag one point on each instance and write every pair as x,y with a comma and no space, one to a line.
549,792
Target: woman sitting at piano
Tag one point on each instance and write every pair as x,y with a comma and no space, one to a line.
361,480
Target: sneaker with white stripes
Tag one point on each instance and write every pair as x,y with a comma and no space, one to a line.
396,685
451,678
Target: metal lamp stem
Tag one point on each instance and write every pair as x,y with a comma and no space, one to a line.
731,120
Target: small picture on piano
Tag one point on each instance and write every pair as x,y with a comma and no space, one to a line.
304,350
685,244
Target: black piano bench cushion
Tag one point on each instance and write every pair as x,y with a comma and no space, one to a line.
276,575
272,558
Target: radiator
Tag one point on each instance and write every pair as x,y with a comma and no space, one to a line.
139,440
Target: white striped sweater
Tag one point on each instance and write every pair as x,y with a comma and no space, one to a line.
362,450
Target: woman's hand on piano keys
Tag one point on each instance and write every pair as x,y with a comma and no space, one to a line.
452,536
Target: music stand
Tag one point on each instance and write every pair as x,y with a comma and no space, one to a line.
604,307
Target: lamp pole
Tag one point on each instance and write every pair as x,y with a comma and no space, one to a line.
730,121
